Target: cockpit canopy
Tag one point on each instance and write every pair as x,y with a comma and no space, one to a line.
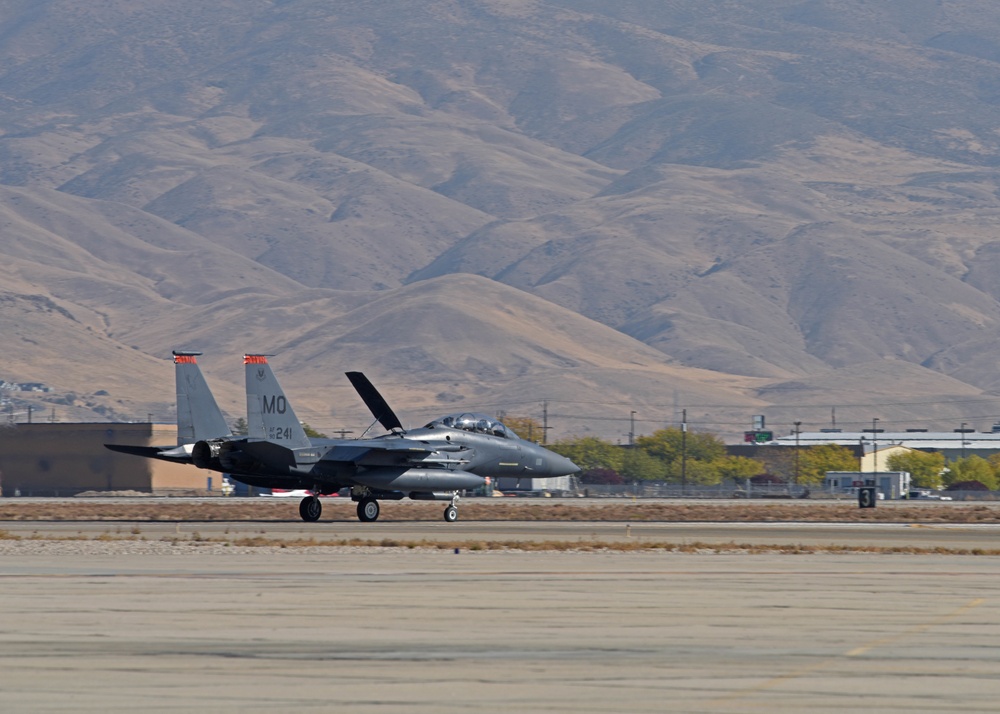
479,423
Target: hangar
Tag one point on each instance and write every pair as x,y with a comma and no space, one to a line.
64,459
953,444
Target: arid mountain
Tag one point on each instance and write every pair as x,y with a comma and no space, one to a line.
779,207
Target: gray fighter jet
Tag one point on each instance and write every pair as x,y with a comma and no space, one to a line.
198,414
435,462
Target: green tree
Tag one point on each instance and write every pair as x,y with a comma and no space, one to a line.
994,462
971,468
312,433
527,428
924,467
669,444
240,427
815,461
637,465
700,473
738,468
591,453
671,447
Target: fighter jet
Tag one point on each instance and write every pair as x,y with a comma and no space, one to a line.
198,414
435,462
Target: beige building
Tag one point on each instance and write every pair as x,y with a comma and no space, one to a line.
878,459
66,459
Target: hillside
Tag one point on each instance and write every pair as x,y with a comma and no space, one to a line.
778,207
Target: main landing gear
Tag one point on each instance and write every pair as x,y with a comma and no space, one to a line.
310,509
368,509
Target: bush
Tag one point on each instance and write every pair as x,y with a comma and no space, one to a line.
767,480
968,486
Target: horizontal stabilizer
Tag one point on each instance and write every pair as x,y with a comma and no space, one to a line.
152,452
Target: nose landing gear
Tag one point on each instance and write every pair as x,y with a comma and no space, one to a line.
451,512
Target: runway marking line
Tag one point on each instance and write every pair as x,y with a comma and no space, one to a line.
856,652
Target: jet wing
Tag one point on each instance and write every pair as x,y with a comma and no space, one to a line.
370,452
375,402
171,453
275,456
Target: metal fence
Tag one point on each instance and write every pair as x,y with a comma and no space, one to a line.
656,489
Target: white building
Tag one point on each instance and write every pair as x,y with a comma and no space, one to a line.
891,484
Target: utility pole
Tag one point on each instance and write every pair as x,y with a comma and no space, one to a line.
545,422
631,429
875,451
684,433
963,440
797,425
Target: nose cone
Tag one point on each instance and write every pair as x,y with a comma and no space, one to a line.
561,466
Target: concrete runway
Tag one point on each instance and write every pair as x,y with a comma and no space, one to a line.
97,626
887,535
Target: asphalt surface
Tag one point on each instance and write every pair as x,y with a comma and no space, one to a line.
155,625
877,535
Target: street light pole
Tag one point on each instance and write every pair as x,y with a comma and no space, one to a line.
875,451
684,433
797,425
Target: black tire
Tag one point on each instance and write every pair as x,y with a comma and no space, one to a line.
368,510
310,509
451,514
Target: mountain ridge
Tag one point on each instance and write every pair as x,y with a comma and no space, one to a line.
795,192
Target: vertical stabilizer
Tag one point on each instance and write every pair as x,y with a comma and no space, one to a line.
198,414
269,415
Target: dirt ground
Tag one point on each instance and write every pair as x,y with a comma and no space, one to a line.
506,509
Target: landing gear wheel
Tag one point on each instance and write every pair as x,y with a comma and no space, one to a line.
310,509
367,510
451,514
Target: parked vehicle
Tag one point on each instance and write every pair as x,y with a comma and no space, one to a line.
924,494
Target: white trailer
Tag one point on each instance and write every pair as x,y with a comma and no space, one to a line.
890,484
